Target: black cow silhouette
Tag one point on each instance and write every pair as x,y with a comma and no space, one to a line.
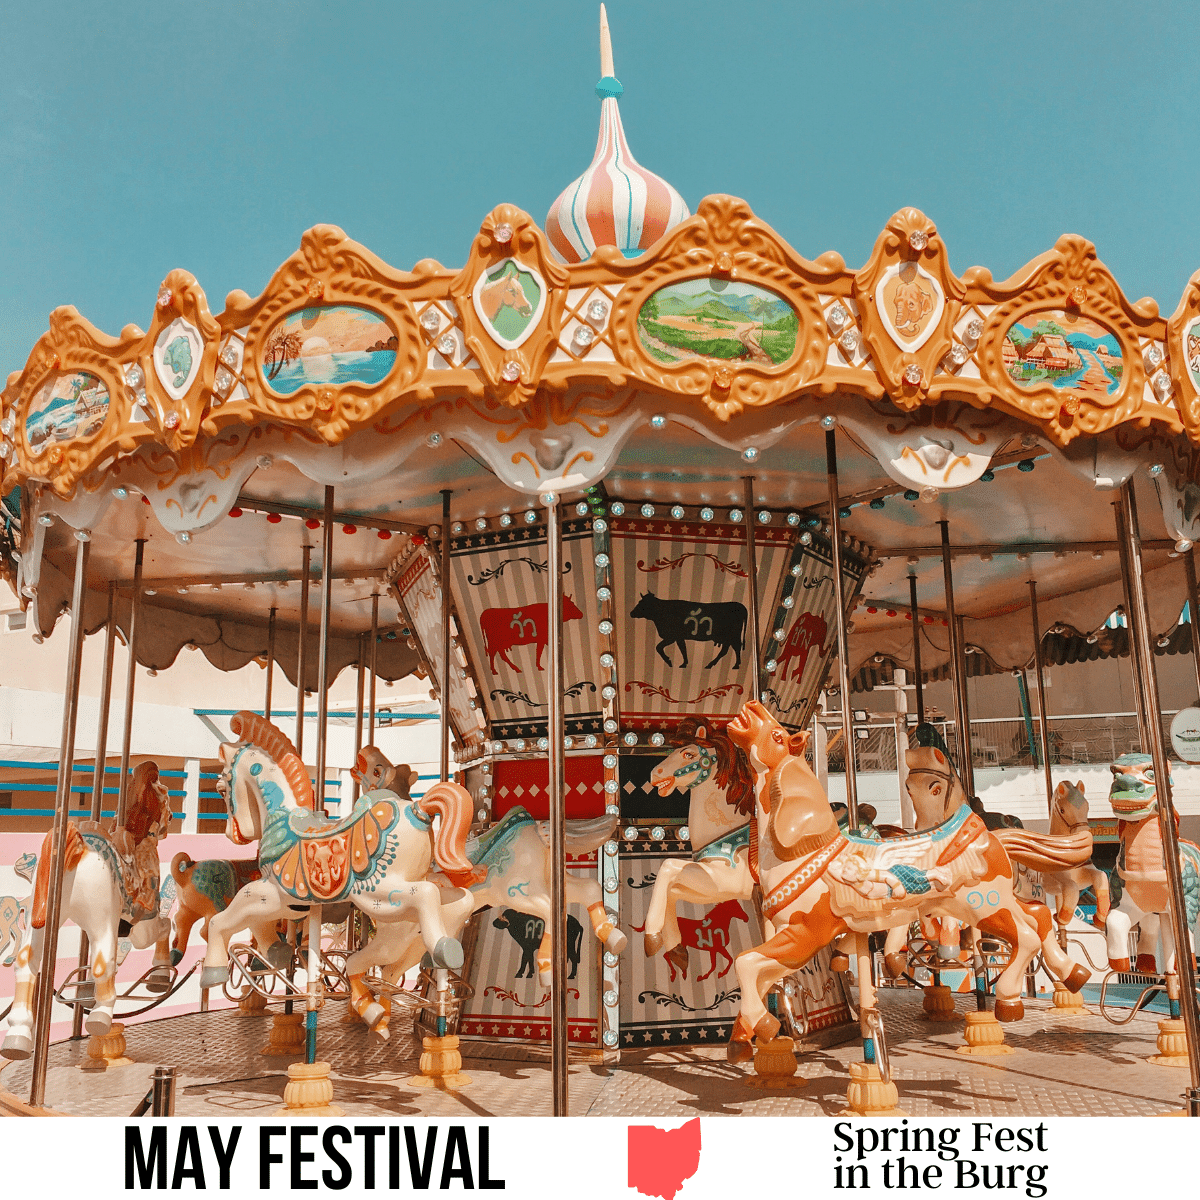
527,932
681,621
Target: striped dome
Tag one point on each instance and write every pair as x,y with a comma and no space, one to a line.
616,201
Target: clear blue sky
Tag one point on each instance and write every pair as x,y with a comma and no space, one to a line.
139,137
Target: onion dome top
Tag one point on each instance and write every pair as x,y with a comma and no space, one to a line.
616,201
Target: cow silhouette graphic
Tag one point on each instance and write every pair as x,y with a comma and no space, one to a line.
527,932
681,621
504,628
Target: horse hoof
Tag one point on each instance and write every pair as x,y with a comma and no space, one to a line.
448,953
98,1022
176,957
766,1028
738,1052
18,1045
211,977
1147,964
373,1014
159,979
1009,1010
616,942
652,943
894,964
1078,977
279,955
381,1031
546,978
946,953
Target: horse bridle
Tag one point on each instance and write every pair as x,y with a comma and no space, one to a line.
706,763
947,777
1071,826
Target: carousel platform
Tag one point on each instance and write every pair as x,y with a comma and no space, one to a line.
1062,1066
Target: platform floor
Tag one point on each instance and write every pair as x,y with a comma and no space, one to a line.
1062,1066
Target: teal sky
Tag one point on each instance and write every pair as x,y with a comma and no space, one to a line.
136,137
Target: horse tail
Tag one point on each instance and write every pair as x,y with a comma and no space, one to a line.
584,836
182,867
1045,851
75,850
453,804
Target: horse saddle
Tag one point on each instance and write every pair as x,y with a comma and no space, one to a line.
327,857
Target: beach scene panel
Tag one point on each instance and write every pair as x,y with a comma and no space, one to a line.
328,344
72,404
718,319
1064,350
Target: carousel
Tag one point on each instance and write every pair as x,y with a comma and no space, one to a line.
638,491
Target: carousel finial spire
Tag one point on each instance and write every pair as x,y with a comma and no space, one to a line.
616,201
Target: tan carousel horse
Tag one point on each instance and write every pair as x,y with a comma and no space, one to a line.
819,883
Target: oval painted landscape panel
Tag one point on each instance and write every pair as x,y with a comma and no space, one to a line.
72,404
328,344
1065,351
718,319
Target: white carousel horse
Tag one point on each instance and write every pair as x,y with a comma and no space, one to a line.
514,870
377,857
709,766
819,883
1142,871
937,794
110,879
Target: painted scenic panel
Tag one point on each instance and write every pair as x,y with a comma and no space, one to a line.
330,343
1065,351
1191,350
509,300
73,404
718,319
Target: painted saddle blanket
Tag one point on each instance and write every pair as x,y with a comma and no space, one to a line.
318,860
869,877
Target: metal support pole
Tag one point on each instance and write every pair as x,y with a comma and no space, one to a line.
130,679
912,605
374,658
358,705
444,682
302,653
1134,661
270,663
1043,720
44,1002
843,642
101,762
313,969
323,653
162,1103
752,591
1189,565
957,670
558,818
1143,648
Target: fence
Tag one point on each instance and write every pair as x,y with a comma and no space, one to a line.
1090,738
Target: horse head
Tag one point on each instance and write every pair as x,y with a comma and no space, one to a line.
764,740
1134,794
686,767
933,784
260,773
149,812
1069,809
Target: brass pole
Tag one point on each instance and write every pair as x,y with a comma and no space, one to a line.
752,591
1189,565
323,660
44,1001
374,658
1143,647
912,598
270,663
130,680
843,640
1134,661
358,706
302,654
1043,719
957,670
444,682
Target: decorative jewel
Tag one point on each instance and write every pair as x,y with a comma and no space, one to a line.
607,660
519,745
657,739
929,494
1026,465
531,516
590,741
446,344
457,527
503,233
1162,385
481,523
750,454
848,342
764,517
806,538
229,355
706,514
8,426
543,743
798,570
581,509
610,762
610,960
735,515
608,692
789,601
617,508
599,525
1154,356
183,537
171,420
603,594
877,503
431,320
120,491
223,381
793,519
912,374
918,240
837,317
647,510
974,329
677,512
610,1038
6,448
45,519
610,848
1155,470
511,371
602,560
568,742
505,520
771,665
630,739
134,376
584,335
828,421
164,297
597,310
610,787
657,833
610,726
959,354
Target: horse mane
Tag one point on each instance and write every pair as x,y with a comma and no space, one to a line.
146,805
733,768
272,741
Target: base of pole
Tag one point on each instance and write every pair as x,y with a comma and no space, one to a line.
938,1003
868,1095
441,1065
287,1036
252,1004
775,1065
309,1091
1068,1004
1172,1044
984,1034
106,1050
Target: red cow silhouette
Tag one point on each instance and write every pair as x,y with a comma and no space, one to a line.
504,628
809,630
711,934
